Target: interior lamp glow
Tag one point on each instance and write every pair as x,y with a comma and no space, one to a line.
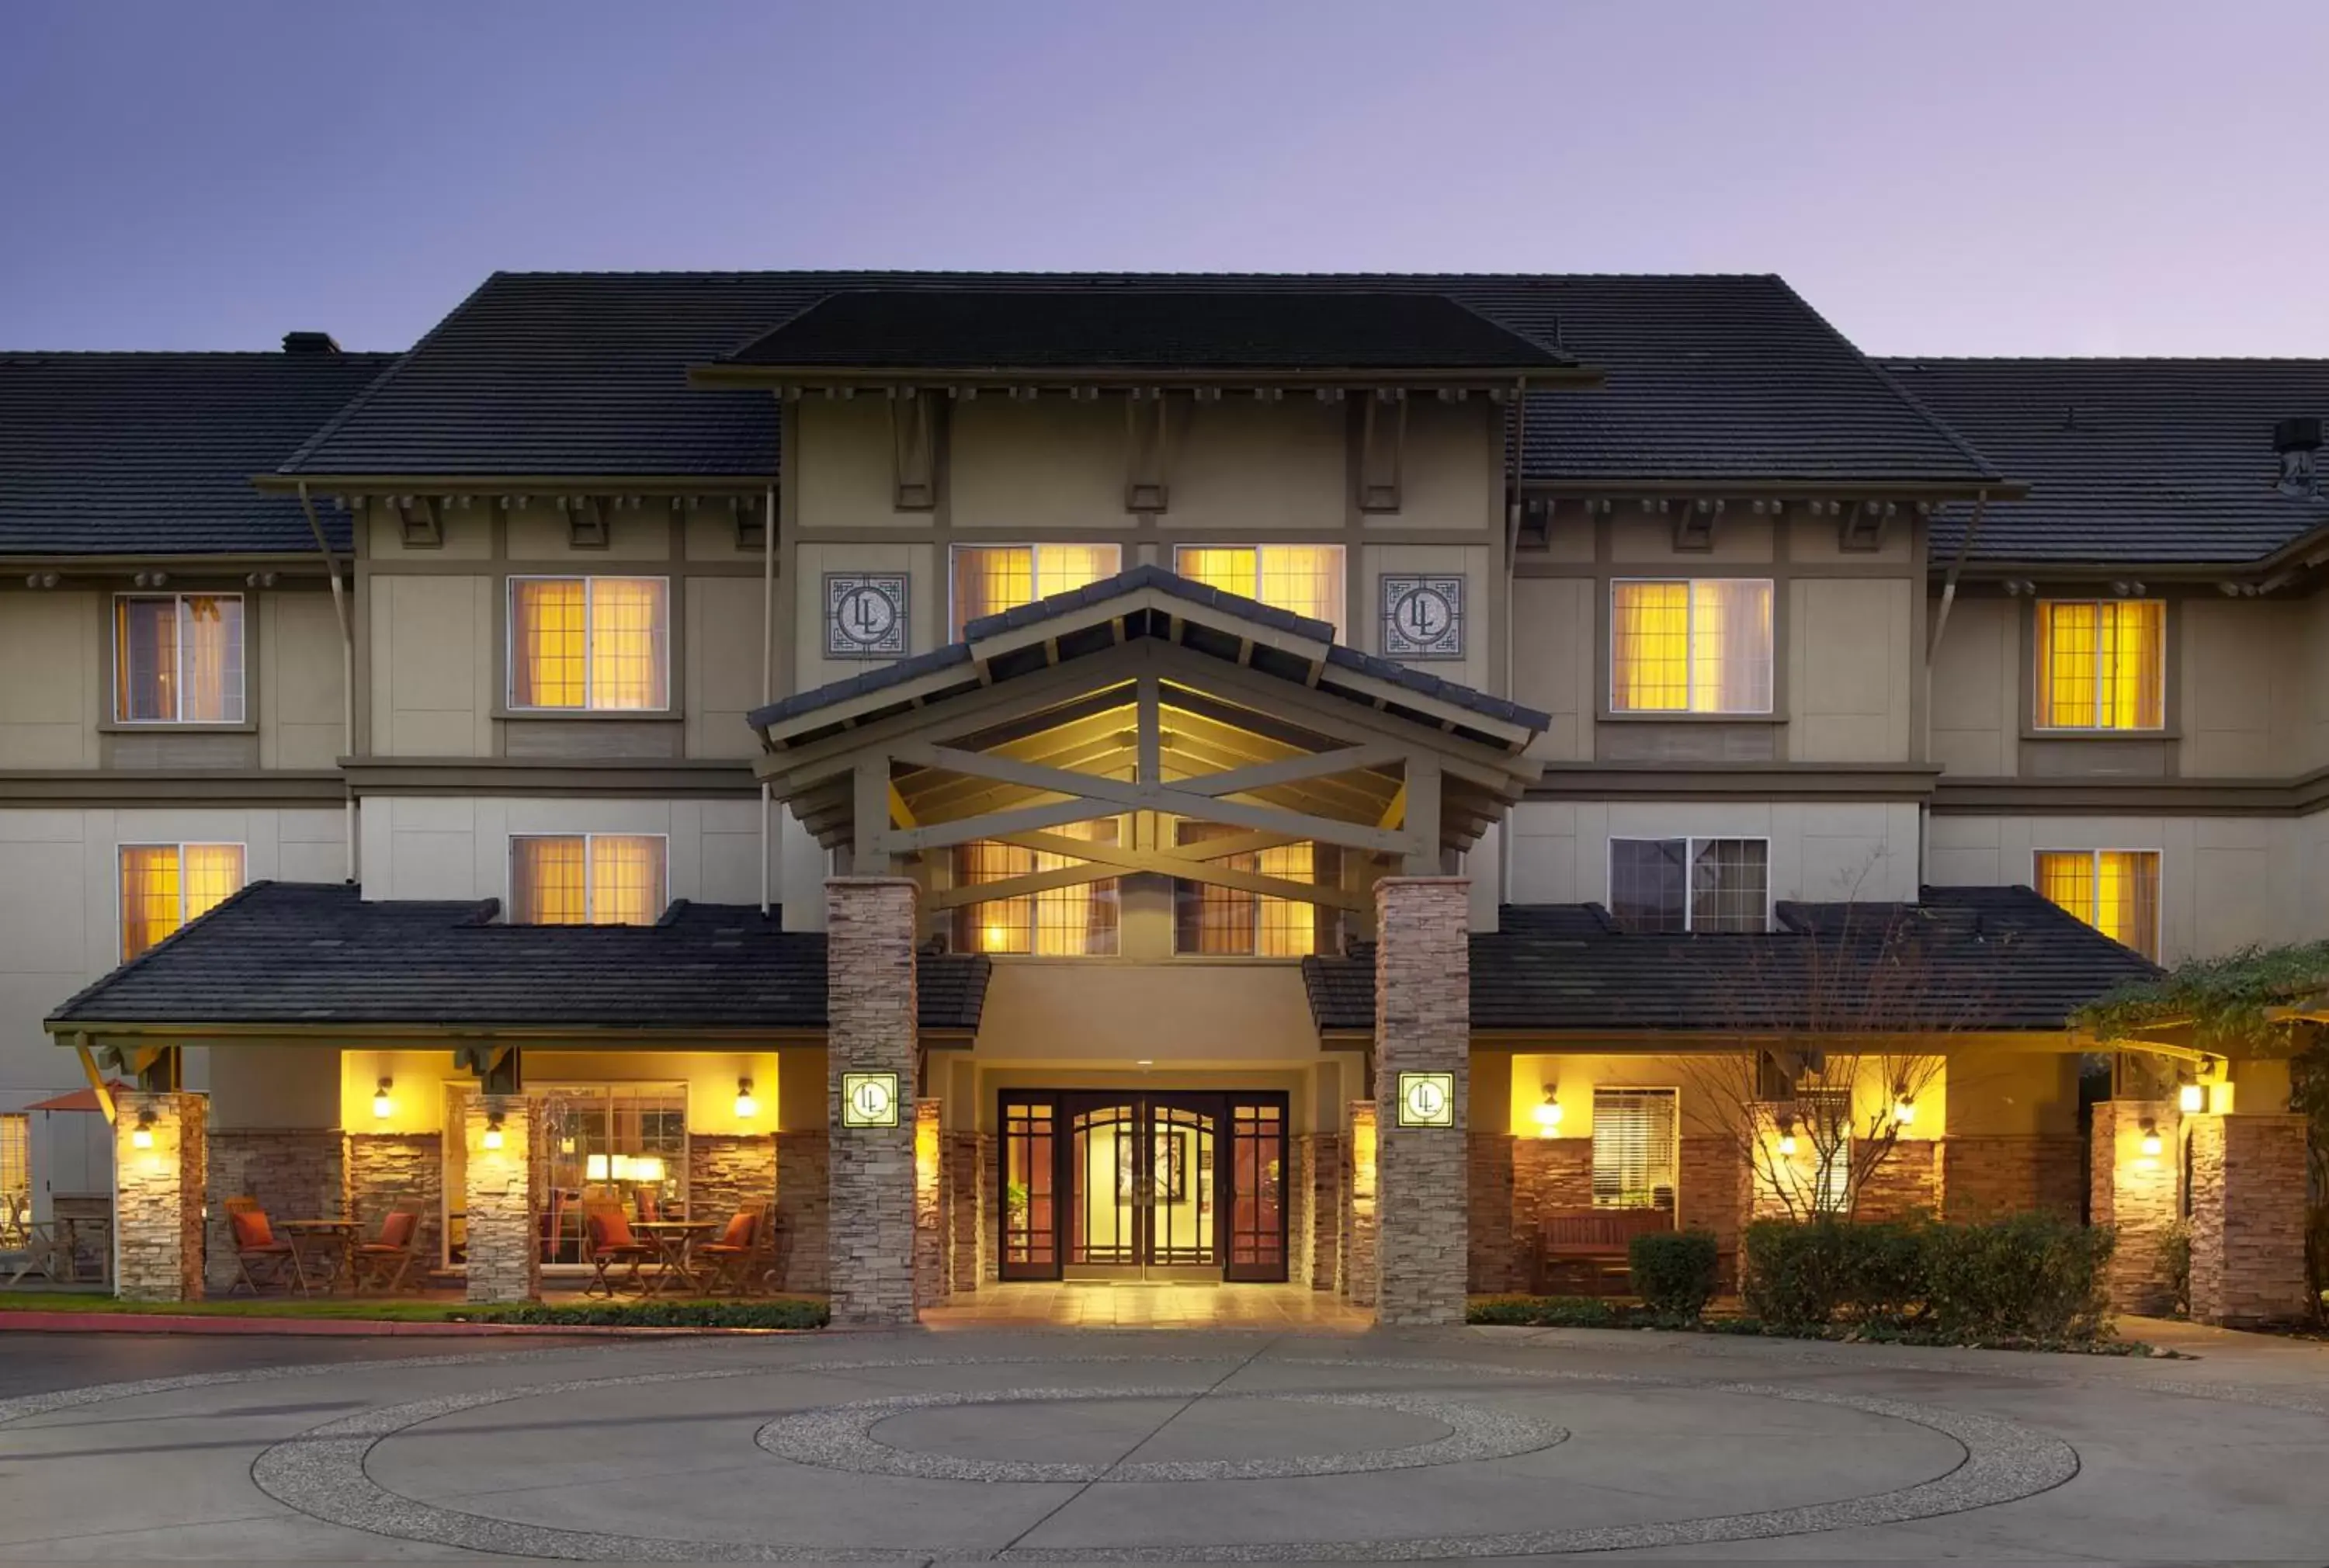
1548,1115
382,1106
2192,1099
2152,1143
492,1137
142,1135
647,1168
594,1168
1787,1139
746,1107
1904,1109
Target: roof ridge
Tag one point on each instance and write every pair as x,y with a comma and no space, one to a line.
339,357
805,273
371,389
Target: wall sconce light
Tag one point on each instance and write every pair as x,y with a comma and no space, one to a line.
2152,1143
1904,1109
383,1107
2192,1099
1548,1115
493,1134
1787,1139
142,1135
746,1107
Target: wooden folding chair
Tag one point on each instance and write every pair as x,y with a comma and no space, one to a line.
383,1263
260,1254
608,1239
726,1261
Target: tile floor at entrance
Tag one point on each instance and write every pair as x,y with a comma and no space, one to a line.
1111,1305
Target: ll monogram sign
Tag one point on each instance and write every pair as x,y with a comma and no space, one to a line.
865,616
1427,1099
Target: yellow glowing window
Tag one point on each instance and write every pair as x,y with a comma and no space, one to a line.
165,886
2101,663
177,659
1078,921
990,578
2116,891
1304,578
586,878
1211,919
1695,645
590,642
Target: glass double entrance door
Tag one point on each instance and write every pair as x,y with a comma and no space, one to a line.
1107,1185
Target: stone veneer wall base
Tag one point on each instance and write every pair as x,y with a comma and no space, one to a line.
870,1022
292,1173
1423,996
2138,1195
1323,1159
158,1194
386,1169
2248,1184
801,1207
505,1191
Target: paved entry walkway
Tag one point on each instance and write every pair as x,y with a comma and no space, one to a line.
1112,1305
1038,1446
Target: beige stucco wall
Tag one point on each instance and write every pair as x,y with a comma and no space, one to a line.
1852,665
1977,690
1713,1087
2244,687
458,846
1840,850
1554,622
54,692
432,665
1239,464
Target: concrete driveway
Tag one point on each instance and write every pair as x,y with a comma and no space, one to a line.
1035,1446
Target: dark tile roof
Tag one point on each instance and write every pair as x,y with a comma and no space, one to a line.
2127,460
152,454
1963,958
586,373
1132,580
1138,329
299,952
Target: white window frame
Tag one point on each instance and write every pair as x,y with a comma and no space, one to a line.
509,868
178,720
1690,653
1672,1091
509,641
1690,842
1343,565
2041,652
1035,568
180,846
2095,872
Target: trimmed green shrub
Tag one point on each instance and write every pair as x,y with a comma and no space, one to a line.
1796,1275
1673,1272
1545,1312
2029,1276
771,1312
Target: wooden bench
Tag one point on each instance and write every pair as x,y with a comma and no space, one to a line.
1588,1244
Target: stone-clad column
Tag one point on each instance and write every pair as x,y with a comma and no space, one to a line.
1355,1275
869,1026
2247,1219
160,1156
2136,1193
930,1192
504,1193
1423,1026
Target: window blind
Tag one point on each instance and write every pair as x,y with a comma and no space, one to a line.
1634,1148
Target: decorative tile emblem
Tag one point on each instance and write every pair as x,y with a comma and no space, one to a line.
1427,1099
865,616
869,1099
1423,617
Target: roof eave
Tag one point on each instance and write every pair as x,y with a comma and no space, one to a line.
1764,485
322,483
1483,378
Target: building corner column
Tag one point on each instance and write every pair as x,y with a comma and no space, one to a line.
1423,1039
161,1151
2248,1184
2134,1189
502,1193
871,1017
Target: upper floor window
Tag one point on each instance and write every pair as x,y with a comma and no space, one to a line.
586,878
1697,885
590,643
1212,919
2102,664
177,659
165,886
1078,921
1636,1147
2116,891
1305,579
990,578
1689,645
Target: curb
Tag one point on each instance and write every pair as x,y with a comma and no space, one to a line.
336,1327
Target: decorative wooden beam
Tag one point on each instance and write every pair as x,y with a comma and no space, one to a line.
1105,861
1148,713
587,524
870,817
1422,788
1694,525
422,520
1293,769
913,450
900,816
1383,449
1147,451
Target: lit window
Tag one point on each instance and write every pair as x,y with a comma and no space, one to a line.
1634,1148
1698,885
587,880
1304,578
1211,919
589,644
2101,663
1072,922
165,886
2116,891
177,659
990,578
15,1178
1697,645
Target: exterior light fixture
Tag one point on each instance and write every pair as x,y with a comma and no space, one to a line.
1548,1115
2152,1141
1788,1139
142,1135
382,1106
493,1134
2192,1099
746,1107
1904,1109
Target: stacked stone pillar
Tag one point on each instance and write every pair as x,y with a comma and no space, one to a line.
504,1194
2247,1219
929,1206
870,1019
1356,1275
1423,1001
158,1196
2139,1195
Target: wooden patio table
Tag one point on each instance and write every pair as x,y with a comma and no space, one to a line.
672,1239
327,1241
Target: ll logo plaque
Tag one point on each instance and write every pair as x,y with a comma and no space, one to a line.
869,1099
1427,1099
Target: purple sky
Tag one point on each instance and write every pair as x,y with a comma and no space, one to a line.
2039,176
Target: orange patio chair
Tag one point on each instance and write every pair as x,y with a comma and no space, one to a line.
260,1256
608,1237
726,1260
383,1263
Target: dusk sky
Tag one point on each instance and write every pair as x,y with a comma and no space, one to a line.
2026,177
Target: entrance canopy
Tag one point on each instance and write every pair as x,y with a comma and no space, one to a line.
1145,696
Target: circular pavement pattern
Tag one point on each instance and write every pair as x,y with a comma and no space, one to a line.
912,1475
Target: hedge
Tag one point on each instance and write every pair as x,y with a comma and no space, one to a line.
1674,1271
2028,1277
769,1312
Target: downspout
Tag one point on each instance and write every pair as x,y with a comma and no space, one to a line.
1932,652
340,609
767,672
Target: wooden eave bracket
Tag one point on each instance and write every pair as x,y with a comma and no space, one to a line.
1147,451
1383,449
1693,524
751,520
497,1068
589,523
913,449
422,521
1861,525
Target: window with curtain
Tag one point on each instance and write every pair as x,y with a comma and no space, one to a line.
165,886
1690,645
1074,922
1634,1147
1231,921
2102,664
990,578
1695,885
177,659
590,643
586,878
2116,891
15,1178
1304,578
